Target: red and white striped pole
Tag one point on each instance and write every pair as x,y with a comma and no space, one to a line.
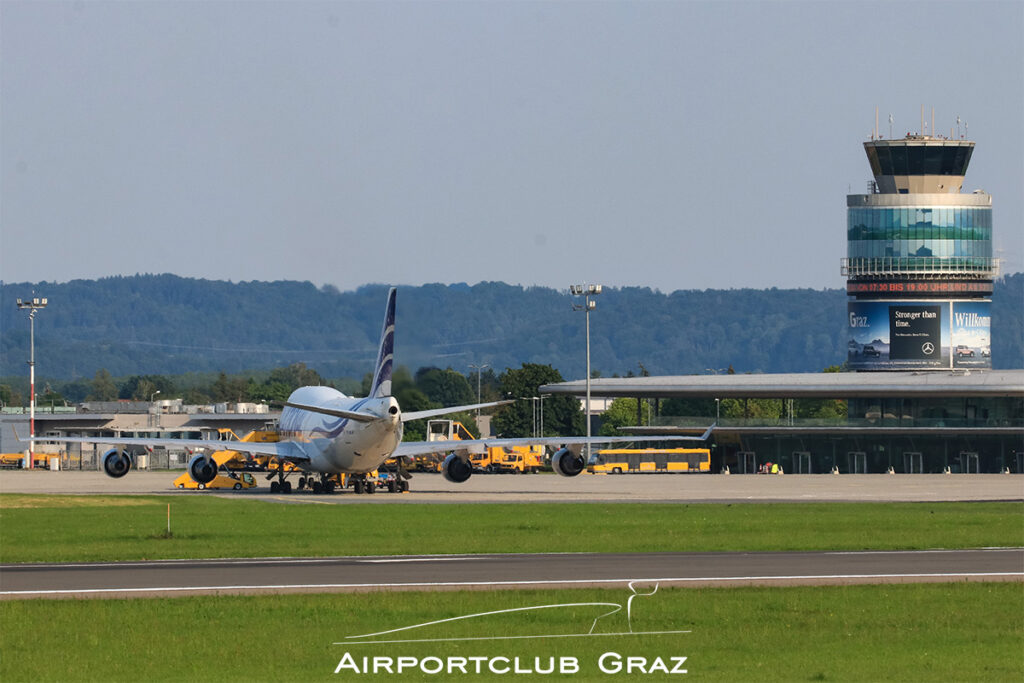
32,393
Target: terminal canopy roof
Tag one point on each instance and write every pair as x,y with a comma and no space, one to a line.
975,383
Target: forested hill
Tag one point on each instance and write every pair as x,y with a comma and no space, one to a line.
164,324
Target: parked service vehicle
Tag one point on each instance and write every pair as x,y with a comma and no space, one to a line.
442,430
518,459
626,460
14,461
221,481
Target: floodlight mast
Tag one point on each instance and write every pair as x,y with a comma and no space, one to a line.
33,305
479,369
586,291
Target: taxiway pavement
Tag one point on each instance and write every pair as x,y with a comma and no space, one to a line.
505,571
550,488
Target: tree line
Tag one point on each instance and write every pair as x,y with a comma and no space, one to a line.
169,325
426,389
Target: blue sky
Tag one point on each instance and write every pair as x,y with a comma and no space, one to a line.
674,145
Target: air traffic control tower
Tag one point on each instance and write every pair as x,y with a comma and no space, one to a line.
919,263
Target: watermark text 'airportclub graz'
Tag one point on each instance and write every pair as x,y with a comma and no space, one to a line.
607,663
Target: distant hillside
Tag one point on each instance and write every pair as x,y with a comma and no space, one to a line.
164,324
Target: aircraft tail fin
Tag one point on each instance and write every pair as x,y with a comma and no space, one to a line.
385,354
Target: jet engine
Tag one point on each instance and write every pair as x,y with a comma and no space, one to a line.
567,463
116,463
455,469
202,469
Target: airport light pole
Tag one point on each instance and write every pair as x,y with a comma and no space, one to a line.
541,432
586,291
154,414
717,401
32,306
533,414
533,405
479,369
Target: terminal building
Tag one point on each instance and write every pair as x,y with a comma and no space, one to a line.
912,422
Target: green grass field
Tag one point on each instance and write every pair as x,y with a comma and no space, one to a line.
111,528
926,632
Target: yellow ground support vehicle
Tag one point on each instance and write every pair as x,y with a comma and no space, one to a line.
221,481
40,461
444,430
484,462
233,460
493,459
12,460
632,460
518,459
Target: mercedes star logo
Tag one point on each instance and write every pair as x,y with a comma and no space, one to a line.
928,348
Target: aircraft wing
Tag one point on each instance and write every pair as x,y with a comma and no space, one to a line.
284,450
413,448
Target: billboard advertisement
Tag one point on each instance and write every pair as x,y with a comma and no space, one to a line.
971,334
919,335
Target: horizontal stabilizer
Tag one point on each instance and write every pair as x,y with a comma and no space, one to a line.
421,414
349,414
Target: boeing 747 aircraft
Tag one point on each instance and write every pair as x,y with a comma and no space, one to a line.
324,433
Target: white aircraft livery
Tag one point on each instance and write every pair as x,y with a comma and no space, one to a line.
324,433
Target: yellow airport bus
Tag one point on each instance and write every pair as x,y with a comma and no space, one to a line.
633,460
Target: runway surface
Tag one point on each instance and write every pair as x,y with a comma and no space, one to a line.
350,574
550,488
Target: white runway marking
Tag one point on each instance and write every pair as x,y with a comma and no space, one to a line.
557,635
420,559
565,582
228,561
932,550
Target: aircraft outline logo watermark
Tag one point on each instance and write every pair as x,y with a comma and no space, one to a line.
357,639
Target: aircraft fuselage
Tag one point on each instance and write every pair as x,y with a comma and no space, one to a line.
341,445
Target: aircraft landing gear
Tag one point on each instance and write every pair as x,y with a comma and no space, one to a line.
361,484
281,485
325,484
